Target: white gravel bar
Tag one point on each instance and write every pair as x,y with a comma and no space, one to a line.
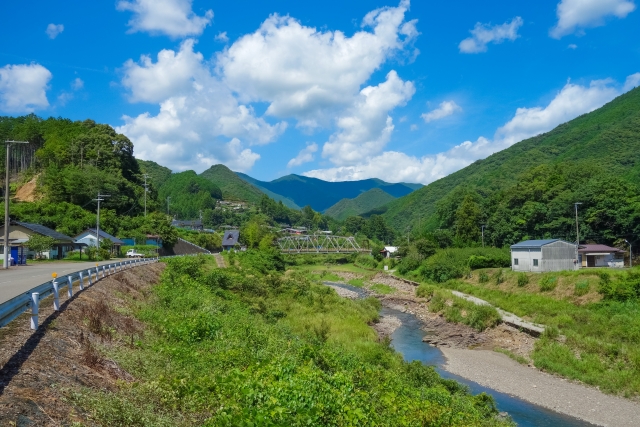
499,372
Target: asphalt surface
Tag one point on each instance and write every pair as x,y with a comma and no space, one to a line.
20,278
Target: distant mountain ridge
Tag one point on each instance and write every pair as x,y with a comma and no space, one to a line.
365,202
321,195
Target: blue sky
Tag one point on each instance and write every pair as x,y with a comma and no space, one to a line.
336,90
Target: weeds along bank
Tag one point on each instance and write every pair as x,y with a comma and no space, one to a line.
249,345
592,319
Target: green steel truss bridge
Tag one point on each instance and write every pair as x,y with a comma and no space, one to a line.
319,244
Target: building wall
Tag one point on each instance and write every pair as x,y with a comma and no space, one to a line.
525,259
559,256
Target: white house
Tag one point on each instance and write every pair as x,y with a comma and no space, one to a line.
544,255
388,251
89,238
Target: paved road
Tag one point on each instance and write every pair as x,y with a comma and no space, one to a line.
19,279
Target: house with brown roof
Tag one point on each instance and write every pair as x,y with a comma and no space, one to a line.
594,255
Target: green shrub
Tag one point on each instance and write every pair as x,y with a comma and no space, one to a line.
454,263
624,288
483,277
548,283
499,277
581,288
523,279
366,261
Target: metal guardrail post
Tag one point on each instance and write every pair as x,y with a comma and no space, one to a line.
56,295
89,276
35,301
103,273
70,287
81,281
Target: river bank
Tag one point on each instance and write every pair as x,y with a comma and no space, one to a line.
469,354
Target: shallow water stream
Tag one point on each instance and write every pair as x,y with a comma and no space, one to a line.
407,340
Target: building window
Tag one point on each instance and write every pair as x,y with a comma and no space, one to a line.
535,262
515,261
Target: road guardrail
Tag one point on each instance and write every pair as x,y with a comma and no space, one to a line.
30,299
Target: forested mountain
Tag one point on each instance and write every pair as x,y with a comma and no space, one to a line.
232,186
529,189
365,202
187,195
321,195
158,174
277,197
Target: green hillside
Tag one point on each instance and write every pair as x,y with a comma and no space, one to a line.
593,159
189,194
365,202
233,188
277,197
321,195
157,174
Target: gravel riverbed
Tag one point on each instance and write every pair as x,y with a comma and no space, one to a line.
499,372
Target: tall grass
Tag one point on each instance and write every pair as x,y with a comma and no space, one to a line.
240,347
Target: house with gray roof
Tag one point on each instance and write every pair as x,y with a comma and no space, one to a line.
544,255
89,238
230,239
20,232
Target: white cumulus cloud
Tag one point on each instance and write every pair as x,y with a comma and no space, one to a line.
304,156
631,82
53,30
23,88
573,100
445,109
222,37
366,128
575,15
174,18
483,34
198,113
308,74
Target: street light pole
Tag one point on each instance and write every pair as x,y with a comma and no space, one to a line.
99,199
7,249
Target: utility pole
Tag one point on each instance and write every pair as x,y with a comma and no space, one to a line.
577,232
483,226
7,248
145,193
630,259
99,199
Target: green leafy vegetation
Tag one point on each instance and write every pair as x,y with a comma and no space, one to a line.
458,310
523,279
383,289
189,194
241,347
365,202
232,186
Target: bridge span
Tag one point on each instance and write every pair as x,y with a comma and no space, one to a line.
319,244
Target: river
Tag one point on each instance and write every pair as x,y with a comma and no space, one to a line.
407,340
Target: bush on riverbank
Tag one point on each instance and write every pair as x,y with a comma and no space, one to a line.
458,310
455,263
242,346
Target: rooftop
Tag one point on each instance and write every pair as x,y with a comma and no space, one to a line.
597,248
103,235
45,231
534,243
230,238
